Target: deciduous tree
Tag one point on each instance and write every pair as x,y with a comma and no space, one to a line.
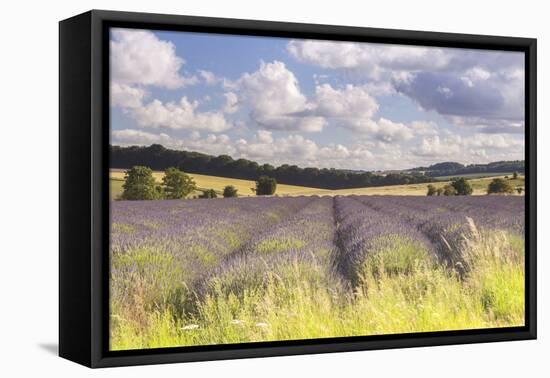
266,186
139,184
177,184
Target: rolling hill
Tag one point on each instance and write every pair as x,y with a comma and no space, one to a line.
243,186
218,183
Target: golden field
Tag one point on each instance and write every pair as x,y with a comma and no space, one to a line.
244,186
218,183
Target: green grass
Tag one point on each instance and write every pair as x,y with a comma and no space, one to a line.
400,289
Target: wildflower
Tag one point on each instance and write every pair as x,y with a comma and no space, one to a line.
190,327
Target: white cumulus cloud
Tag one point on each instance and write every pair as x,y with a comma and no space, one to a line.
209,77
349,102
138,57
126,96
275,100
471,86
141,138
369,57
231,102
179,115
474,148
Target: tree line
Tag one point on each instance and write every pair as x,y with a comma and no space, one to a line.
160,158
453,168
139,184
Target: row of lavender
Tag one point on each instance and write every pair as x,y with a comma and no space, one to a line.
201,232
299,247
159,249
364,231
441,224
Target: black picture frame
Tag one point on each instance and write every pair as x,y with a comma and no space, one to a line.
84,191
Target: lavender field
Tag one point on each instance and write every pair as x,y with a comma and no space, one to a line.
232,270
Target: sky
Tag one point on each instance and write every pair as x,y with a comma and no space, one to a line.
316,103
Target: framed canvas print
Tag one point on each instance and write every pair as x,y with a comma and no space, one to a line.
234,188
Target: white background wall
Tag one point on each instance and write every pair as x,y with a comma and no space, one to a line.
29,186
